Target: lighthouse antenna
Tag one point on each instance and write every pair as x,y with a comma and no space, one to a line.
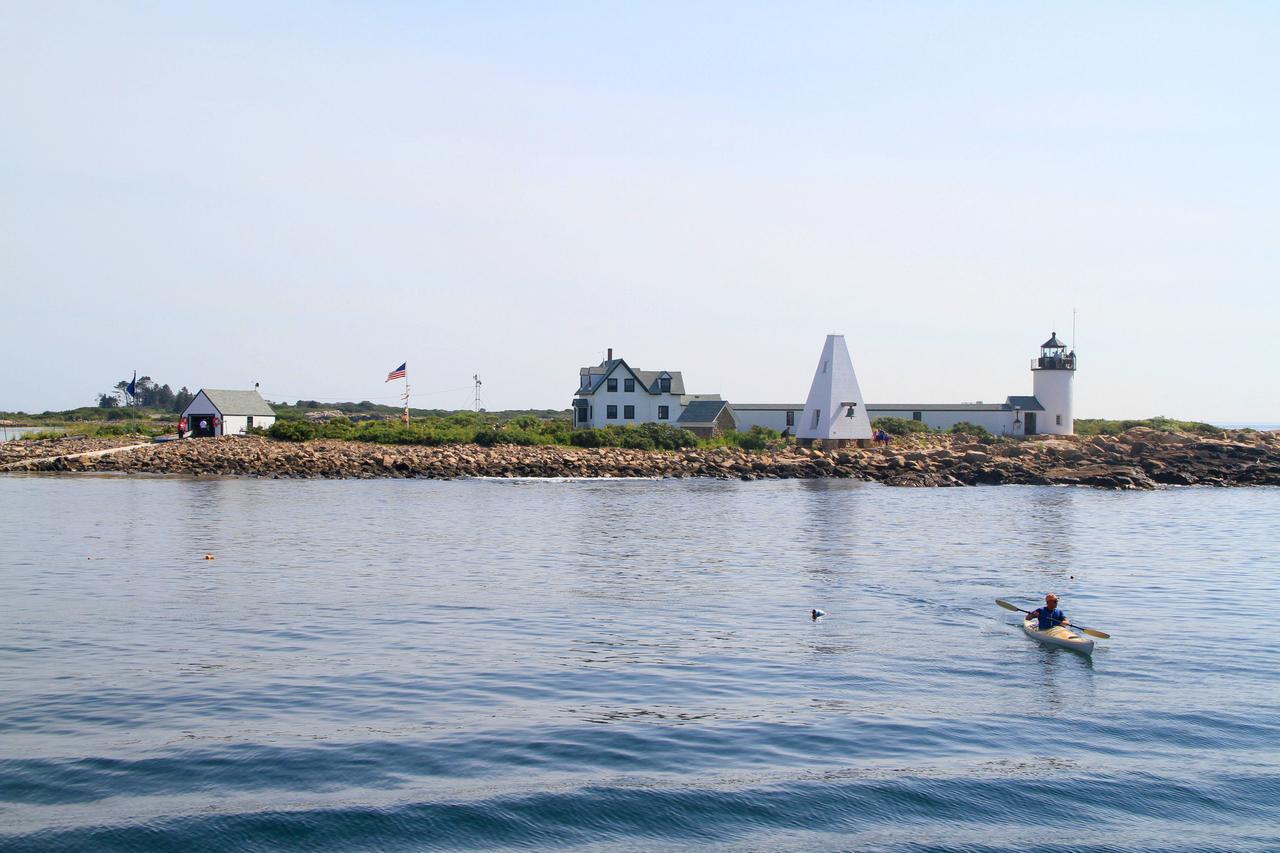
1073,329
476,377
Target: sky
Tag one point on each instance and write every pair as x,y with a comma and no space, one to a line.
305,195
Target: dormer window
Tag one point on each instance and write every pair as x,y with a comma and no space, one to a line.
612,385
664,384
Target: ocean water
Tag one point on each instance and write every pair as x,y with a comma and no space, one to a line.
627,665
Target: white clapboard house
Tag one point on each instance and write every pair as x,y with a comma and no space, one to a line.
221,412
613,393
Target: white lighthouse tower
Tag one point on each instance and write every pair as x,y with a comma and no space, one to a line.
1051,377
834,414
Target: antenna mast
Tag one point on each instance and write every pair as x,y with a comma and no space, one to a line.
1073,329
476,377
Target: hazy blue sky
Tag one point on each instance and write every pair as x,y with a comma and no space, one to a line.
305,195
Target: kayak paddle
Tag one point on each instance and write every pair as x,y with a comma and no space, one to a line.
1103,635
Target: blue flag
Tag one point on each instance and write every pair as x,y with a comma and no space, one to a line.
133,385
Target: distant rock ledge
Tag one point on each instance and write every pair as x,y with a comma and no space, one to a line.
1138,459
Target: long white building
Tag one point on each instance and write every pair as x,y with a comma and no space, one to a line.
613,392
1049,410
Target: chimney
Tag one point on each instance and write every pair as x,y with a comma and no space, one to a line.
610,354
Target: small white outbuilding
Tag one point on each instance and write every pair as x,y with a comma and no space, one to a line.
220,412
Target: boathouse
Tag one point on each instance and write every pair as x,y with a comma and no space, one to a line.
220,412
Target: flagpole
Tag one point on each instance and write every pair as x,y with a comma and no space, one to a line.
405,416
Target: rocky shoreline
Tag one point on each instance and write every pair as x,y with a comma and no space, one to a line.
1138,459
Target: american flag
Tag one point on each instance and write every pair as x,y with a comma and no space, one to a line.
398,373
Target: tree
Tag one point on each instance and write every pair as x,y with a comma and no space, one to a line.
147,392
107,401
182,399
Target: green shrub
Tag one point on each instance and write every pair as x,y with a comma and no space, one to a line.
291,431
667,437
967,428
491,436
590,437
42,435
900,426
1101,426
634,439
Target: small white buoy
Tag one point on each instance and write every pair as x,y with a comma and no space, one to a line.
817,614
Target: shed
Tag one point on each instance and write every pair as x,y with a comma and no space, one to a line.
221,412
707,418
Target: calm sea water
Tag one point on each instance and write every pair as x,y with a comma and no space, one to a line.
631,664
15,433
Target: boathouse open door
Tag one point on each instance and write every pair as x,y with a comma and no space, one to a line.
194,422
1030,418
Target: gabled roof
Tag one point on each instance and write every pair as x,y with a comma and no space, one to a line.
768,407
647,379
651,378
1053,343
238,402
1027,404
702,413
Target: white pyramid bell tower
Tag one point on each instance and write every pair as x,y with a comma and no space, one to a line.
834,413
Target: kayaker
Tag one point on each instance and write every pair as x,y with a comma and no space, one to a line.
1049,615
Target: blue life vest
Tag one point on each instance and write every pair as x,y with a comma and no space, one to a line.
1048,618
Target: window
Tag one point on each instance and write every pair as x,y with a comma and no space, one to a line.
1059,421
613,385
629,412
611,412
817,416
582,414
915,416
824,367
664,413
664,384
791,418
250,421
628,385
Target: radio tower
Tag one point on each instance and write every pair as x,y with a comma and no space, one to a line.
476,377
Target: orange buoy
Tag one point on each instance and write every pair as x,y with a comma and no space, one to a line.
208,556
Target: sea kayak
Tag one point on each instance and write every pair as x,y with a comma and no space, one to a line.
1058,636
